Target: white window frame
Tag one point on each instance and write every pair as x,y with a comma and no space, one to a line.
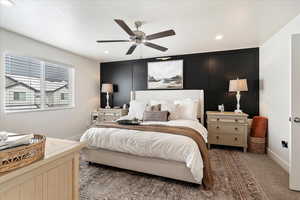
43,63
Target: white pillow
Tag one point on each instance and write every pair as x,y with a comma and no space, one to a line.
137,109
173,110
188,109
167,106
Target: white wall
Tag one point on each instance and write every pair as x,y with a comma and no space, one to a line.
275,88
68,123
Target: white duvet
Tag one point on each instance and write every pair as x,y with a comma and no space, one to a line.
152,144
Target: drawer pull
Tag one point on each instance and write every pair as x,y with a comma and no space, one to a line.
218,119
217,127
217,137
236,120
236,128
235,139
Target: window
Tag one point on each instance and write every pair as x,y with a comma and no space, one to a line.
32,84
64,96
19,96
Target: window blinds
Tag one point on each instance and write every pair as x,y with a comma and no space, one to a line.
57,86
42,85
23,76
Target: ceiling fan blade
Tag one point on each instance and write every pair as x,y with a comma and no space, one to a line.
131,49
104,41
160,35
155,46
124,27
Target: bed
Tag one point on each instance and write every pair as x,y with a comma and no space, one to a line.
162,164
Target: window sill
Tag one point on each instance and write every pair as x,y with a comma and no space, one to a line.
38,110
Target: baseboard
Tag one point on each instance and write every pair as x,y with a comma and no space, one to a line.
282,163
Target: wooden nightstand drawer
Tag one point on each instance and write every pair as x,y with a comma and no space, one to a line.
236,140
109,115
226,119
226,129
107,118
229,139
215,139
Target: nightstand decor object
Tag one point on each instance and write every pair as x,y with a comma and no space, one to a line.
108,89
227,128
238,85
94,117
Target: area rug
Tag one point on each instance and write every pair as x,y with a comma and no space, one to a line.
233,181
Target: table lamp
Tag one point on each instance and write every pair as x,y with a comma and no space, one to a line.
108,89
238,85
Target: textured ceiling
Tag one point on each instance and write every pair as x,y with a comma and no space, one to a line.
75,25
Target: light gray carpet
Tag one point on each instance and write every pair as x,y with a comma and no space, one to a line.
233,181
272,178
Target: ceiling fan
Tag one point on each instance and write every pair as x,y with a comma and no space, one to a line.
139,37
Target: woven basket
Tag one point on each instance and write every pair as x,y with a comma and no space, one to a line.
257,145
18,157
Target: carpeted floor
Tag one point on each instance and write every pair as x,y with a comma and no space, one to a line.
273,179
233,181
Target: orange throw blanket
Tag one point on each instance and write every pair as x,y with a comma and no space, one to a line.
259,127
185,131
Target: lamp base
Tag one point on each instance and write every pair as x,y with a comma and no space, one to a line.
107,101
238,111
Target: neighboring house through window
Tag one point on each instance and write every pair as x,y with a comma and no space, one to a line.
32,84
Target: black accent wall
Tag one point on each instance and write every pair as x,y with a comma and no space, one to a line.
208,71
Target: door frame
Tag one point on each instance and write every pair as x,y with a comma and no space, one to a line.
294,150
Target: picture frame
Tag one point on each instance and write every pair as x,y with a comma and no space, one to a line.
165,74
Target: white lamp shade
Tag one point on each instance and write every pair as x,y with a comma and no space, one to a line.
107,87
238,85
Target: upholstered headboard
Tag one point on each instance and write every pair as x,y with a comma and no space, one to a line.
171,95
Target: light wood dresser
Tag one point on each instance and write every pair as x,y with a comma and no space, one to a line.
55,177
109,115
227,128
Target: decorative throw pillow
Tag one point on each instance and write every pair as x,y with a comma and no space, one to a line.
137,109
188,109
167,106
161,116
173,110
156,107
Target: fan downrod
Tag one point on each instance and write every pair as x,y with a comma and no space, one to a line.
138,24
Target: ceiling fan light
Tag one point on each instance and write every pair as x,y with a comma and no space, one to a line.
7,3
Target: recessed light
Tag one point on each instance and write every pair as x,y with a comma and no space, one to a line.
219,37
106,52
8,3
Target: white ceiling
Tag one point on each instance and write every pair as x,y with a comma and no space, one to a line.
75,25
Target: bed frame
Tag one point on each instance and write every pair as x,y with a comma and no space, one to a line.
155,166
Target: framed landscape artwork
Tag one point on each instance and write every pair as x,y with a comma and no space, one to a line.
165,74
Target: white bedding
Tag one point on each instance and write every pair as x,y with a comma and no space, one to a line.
152,144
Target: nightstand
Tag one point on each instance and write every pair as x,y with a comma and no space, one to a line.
109,115
227,128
